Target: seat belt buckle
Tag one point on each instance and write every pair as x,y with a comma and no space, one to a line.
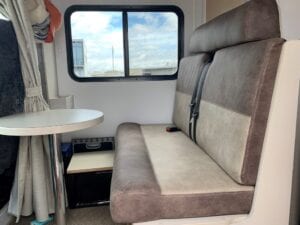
172,129
195,115
192,104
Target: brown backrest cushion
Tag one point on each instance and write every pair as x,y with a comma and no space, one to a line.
252,21
235,105
238,88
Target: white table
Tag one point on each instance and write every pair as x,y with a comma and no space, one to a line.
51,123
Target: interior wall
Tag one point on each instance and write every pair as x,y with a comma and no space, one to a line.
217,7
152,101
289,18
135,101
288,12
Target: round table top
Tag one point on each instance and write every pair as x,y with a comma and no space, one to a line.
49,122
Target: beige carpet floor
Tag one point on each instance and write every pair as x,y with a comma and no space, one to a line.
84,216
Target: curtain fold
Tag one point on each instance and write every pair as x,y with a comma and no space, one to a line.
32,189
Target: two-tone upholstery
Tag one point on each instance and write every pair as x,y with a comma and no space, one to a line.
161,175
165,175
235,105
189,69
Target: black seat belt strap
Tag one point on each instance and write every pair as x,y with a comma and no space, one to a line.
193,100
196,107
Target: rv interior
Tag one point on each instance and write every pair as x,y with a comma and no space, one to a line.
149,112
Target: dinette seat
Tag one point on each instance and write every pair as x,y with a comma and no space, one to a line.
210,167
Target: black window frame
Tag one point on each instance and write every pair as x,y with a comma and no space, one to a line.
124,9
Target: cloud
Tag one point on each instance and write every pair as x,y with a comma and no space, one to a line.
100,31
153,40
171,22
89,23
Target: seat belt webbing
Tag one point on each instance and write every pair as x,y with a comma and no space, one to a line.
195,103
193,100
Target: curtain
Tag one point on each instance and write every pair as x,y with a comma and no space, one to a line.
32,189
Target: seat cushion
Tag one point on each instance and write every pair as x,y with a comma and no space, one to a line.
155,170
134,190
253,21
235,105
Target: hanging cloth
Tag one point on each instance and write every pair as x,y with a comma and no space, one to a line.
32,189
55,20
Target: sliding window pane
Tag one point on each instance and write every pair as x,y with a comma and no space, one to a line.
153,43
97,44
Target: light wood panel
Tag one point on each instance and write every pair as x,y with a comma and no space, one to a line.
91,162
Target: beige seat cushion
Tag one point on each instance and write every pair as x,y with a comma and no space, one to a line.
181,167
160,175
235,105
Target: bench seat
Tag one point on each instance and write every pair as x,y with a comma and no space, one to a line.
222,102
173,174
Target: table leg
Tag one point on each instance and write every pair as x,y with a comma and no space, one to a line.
58,180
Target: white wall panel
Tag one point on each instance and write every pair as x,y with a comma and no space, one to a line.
140,101
289,18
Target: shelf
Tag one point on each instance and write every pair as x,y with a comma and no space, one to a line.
91,162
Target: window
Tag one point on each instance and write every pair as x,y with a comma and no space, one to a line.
123,42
